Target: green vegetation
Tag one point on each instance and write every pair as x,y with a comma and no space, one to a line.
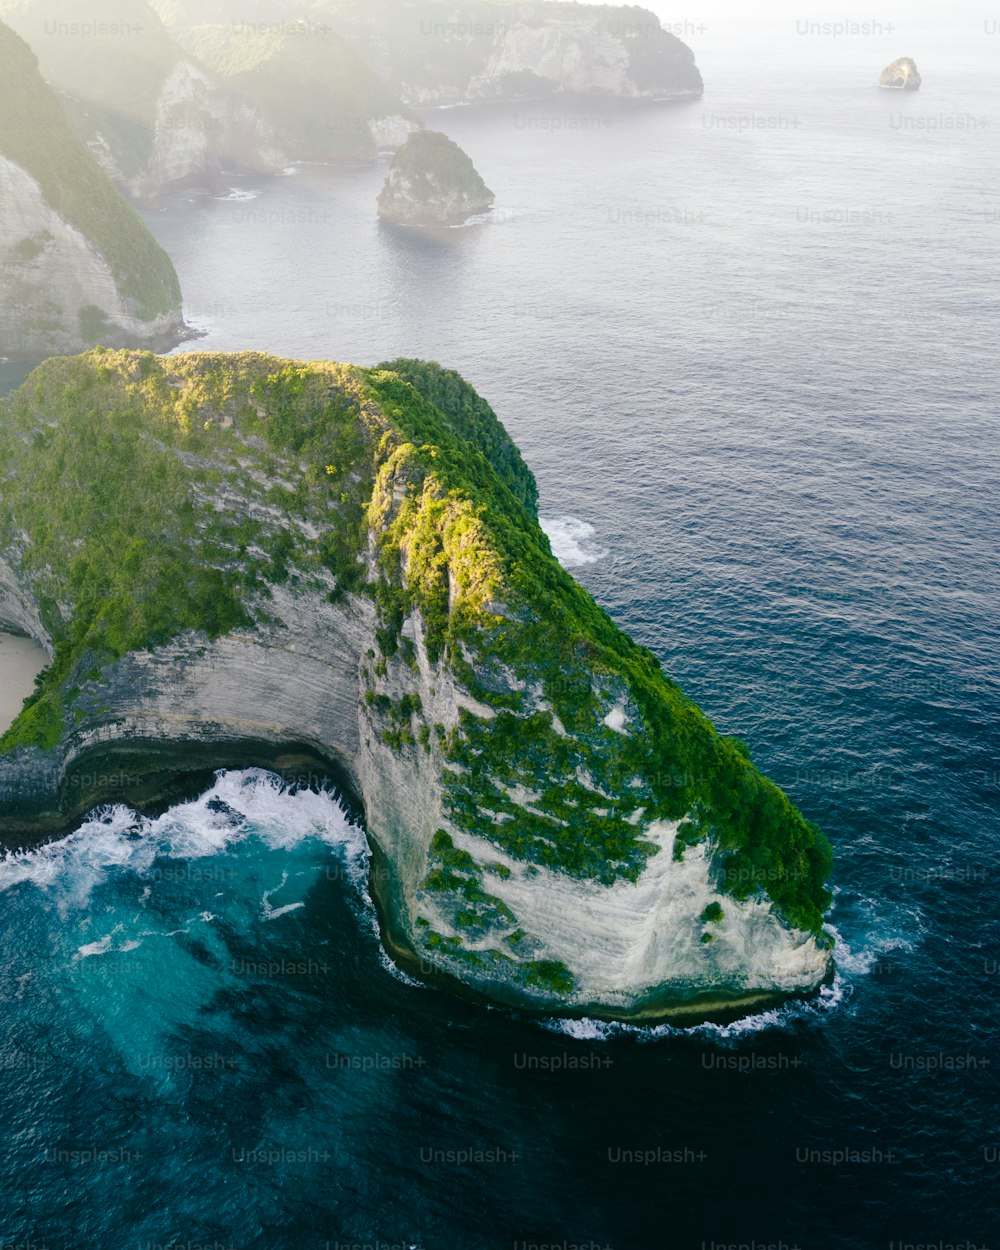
713,914
113,77
159,496
470,418
35,134
465,552
121,470
455,882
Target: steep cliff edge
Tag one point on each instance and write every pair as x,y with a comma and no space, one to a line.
226,549
77,265
432,182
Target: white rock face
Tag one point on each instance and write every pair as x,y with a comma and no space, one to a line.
537,49
631,940
408,204
296,682
17,611
50,276
202,131
577,56
626,945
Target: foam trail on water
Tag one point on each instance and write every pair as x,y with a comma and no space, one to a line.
573,541
240,805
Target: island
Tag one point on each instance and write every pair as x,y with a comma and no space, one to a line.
263,560
77,264
901,75
432,182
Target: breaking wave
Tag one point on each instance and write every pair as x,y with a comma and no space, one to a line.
574,542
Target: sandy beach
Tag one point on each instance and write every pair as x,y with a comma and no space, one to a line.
20,662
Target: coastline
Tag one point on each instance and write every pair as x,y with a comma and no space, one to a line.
21,660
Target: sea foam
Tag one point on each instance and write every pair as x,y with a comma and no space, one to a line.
573,541
240,805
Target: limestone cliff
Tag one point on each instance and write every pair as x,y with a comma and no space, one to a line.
901,75
348,561
432,182
434,53
77,265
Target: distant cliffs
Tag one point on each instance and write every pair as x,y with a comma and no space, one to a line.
170,94
77,265
432,53
319,99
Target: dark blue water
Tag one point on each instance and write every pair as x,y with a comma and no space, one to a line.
755,372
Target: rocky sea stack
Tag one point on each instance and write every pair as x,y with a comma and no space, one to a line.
901,75
233,555
77,264
432,182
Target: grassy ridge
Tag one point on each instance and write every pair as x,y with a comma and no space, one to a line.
35,134
672,763
144,545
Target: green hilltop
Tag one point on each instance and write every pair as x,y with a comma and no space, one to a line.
120,472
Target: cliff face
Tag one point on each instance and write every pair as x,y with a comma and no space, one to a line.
201,131
433,183
154,117
434,53
253,550
77,266
447,51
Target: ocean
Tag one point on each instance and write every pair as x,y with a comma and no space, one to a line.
747,344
